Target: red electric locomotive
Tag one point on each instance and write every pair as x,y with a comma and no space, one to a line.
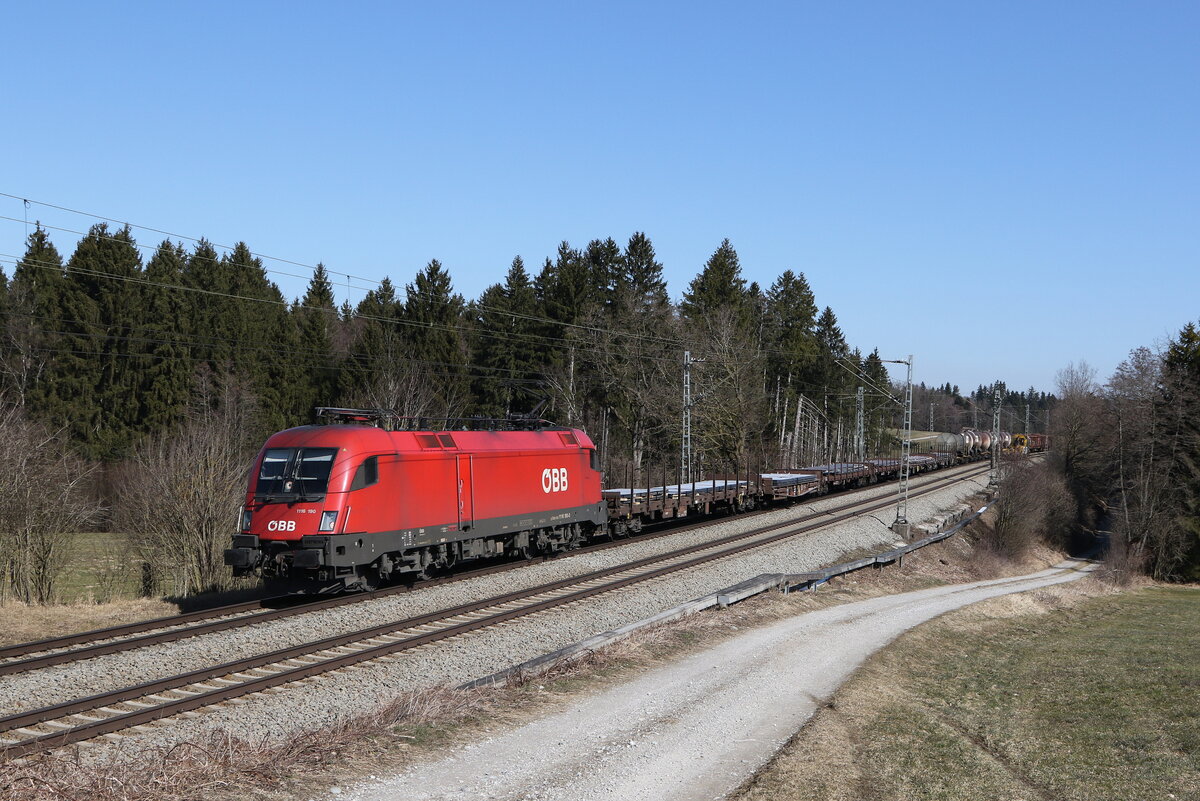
352,504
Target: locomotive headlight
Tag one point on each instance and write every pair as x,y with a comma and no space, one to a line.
328,519
246,519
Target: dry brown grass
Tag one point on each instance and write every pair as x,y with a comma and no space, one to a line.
416,724
1032,704
26,622
227,767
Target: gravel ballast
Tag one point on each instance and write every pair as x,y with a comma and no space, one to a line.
327,698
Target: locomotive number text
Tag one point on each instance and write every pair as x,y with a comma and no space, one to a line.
554,479
281,525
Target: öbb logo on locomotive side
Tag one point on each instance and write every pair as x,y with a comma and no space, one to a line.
281,525
554,479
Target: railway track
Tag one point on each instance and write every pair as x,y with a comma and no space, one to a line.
29,656
136,706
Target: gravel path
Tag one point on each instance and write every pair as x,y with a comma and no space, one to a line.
695,729
331,697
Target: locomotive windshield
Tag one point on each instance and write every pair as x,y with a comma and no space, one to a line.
289,474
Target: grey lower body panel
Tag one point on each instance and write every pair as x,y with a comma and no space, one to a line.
363,548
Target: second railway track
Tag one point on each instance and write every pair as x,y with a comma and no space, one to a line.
135,706
23,657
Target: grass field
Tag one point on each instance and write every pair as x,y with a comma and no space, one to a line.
1097,700
100,567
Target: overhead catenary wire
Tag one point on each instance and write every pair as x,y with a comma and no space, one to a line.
348,276
370,285
467,367
463,329
535,338
241,346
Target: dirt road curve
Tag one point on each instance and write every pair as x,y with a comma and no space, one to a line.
697,728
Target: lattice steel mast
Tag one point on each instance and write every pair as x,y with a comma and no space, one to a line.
685,464
860,442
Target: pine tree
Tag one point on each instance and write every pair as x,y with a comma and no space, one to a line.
434,312
31,333
209,313
166,367
833,376
630,357
565,290
718,286
1181,433
721,315
377,340
606,270
266,349
94,376
505,345
571,292
316,322
643,273
832,347
878,410
121,300
3,306
792,353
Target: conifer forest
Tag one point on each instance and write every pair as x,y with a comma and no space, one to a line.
138,382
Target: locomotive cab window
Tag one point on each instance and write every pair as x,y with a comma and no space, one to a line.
594,458
290,474
366,475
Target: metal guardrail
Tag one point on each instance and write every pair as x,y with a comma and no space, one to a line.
786,582
811,579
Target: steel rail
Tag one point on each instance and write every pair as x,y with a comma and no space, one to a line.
25,657
234,685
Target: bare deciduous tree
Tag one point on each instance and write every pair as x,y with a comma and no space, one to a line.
45,498
733,406
1081,434
1034,505
410,389
638,366
182,490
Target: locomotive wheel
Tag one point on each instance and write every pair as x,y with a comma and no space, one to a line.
368,579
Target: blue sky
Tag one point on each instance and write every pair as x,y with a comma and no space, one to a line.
998,189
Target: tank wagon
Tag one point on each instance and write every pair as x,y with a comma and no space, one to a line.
356,502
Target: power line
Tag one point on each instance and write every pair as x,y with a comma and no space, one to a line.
240,345
461,329
409,289
347,276
669,341
713,357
